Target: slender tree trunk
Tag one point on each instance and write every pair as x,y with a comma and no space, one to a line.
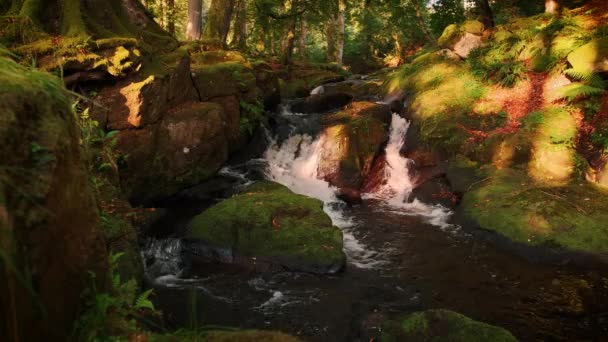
290,34
171,16
331,34
340,35
422,23
302,39
487,17
193,29
240,25
553,6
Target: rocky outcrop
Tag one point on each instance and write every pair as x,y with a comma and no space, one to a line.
180,118
186,147
321,103
49,223
268,227
462,39
352,139
443,325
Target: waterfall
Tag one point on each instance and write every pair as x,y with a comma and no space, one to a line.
397,185
294,163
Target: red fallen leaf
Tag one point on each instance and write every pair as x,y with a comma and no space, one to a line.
275,223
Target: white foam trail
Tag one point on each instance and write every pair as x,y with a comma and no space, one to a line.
398,185
295,164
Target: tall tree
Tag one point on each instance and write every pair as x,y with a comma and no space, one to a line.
487,17
240,25
218,20
194,26
171,16
302,38
340,31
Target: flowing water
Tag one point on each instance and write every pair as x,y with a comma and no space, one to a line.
402,256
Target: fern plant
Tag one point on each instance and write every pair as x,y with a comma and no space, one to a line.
589,84
120,309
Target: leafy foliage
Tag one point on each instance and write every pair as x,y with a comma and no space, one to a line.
119,310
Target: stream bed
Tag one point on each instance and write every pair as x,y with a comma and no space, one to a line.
402,257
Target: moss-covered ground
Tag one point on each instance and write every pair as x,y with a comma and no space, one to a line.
445,326
520,110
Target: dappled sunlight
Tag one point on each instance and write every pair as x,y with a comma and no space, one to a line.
553,154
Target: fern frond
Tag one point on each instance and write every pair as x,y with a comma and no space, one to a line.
143,301
589,78
575,91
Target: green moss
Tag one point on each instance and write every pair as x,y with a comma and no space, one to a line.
269,220
591,57
450,36
473,26
227,335
572,216
443,325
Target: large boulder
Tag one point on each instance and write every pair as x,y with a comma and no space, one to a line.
265,226
462,39
187,147
591,57
570,218
352,139
443,325
143,99
49,222
320,103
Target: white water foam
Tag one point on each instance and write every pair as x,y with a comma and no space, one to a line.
397,183
295,164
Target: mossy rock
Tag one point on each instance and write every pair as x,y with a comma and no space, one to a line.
267,223
48,213
227,335
571,217
473,26
591,57
213,57
450,36
352,139
223,79
445,326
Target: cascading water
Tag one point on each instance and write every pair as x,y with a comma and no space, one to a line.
294,163
397,185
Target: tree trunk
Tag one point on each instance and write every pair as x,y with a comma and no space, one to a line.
487,17
302,39
553,6
340,35
240,25
193,30
422,23
171,16
290,34
218,20
331,35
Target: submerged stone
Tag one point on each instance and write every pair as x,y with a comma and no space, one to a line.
265,226
443,325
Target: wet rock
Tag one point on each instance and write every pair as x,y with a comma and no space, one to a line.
187,147
267,224
353,138
49,222
321,103
268,83
349,196
442,325
222,79
360,90
435,191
